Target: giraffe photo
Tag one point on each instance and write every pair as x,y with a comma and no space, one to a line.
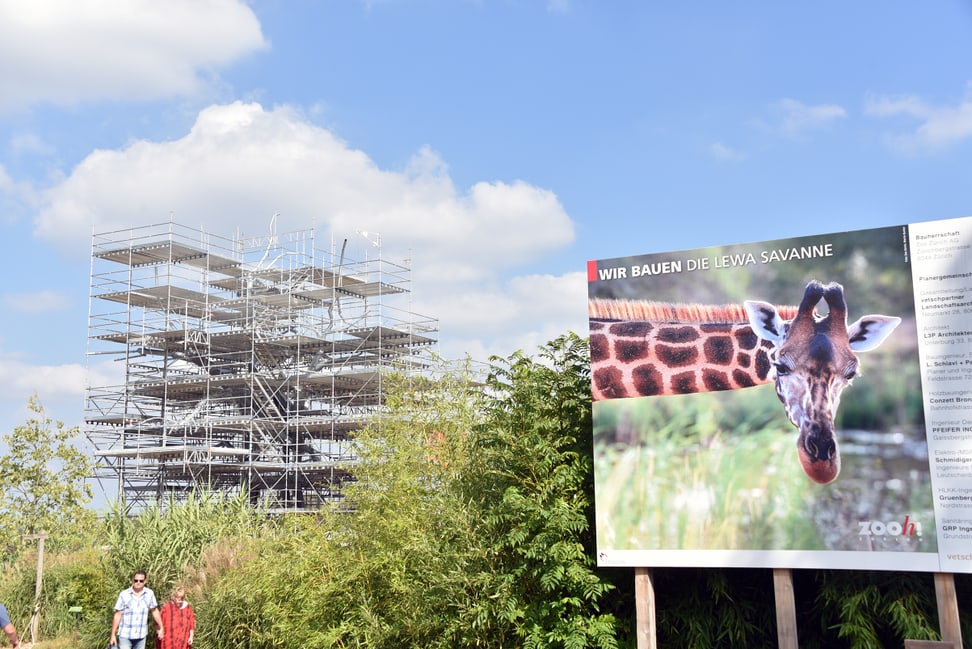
692,453
685,350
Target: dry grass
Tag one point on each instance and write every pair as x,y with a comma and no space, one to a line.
57,643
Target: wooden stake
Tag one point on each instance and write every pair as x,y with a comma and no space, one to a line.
35,617
645,631
786,629
948,612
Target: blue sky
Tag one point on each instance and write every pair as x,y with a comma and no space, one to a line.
497,143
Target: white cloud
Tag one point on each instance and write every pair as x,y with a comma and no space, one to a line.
938,126
797,117
21,379
60,389
240,164
39,302
7,184
724,152
69,51
14,196
522,313
30,143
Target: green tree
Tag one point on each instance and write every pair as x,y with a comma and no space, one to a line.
532,481
390,567
469,525
43,484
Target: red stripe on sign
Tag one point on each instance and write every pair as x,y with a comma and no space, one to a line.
592,271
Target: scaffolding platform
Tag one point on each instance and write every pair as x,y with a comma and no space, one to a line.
241,365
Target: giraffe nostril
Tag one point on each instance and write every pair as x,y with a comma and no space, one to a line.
811,447
831,449
820,447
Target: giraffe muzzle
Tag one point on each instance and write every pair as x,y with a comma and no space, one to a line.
819,455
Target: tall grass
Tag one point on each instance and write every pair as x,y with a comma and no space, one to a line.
167,539
71,578
190,543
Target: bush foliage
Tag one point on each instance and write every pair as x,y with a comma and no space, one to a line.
470,525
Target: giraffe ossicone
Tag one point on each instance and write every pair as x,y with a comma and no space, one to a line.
648,349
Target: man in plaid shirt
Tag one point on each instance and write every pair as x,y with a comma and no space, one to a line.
130,624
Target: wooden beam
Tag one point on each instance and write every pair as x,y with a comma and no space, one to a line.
786,629
948,612
35,616
647,636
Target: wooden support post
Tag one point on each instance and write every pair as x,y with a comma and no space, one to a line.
645,631
786,629
948,612
35,617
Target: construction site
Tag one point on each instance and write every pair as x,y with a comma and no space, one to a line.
241,365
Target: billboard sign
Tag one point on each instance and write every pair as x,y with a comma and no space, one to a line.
797,403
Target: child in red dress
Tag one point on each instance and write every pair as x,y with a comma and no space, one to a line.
179,622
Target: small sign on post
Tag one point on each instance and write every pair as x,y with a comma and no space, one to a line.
77,616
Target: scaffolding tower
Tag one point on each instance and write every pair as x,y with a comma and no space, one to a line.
240,365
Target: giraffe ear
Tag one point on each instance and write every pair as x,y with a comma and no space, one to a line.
870,331
765,320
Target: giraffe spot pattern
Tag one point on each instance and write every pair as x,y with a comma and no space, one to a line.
638,358
714,380
631,329
684,383
718,350
676,356
627,351
746,338
608,381
743,379
763,364
647,380
600,348
677,335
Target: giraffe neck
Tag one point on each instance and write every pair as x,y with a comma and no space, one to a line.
648,349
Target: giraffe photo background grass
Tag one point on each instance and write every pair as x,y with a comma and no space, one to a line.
716,471
681,476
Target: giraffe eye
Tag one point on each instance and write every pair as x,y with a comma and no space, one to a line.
782,369
851,372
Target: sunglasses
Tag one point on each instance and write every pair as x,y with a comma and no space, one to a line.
139,581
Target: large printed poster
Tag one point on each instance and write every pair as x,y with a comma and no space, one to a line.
800,403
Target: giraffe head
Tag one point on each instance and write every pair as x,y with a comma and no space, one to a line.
815,359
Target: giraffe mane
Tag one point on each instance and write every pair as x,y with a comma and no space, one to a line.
647,310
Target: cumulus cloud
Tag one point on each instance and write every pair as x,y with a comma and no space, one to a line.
938,127
241,163
797,118
522,313
70,51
